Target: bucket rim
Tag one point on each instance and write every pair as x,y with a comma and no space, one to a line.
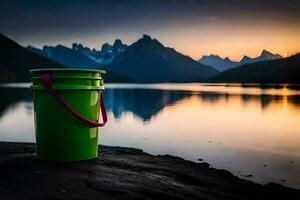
67,69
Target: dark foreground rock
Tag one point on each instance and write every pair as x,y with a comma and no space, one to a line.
122,173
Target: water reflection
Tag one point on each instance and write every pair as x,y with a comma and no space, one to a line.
272,100
247,130
147,103
11,97
143,103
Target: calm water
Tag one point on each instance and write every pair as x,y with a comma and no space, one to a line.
246,130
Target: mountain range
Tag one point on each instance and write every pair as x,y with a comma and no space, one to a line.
285,70
146,60
79,56
16,61
83,57
224,64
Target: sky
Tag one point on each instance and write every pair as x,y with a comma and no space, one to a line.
232,28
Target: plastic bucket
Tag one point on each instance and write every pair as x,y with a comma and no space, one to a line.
67,106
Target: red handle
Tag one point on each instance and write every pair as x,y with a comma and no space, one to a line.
46,80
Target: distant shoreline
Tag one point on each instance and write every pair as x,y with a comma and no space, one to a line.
264,89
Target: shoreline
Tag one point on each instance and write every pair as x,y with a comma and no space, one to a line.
122,173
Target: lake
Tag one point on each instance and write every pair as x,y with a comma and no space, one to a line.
253,131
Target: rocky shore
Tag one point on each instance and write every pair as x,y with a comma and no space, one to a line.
122,173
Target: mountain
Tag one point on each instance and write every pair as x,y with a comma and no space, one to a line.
118,47
223,64
70,57
66,56
16,61
245,60
218,62
81,57
264,56
147,60
285,70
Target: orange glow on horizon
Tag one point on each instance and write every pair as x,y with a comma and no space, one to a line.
234,41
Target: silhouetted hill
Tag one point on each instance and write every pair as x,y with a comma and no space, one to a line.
147,60
286,70
16,61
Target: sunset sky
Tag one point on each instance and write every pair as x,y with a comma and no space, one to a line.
193,27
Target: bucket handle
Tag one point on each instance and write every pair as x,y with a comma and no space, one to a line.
46,80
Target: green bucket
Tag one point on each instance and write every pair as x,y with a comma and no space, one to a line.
67,106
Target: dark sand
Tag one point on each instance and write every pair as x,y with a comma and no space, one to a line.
122,173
